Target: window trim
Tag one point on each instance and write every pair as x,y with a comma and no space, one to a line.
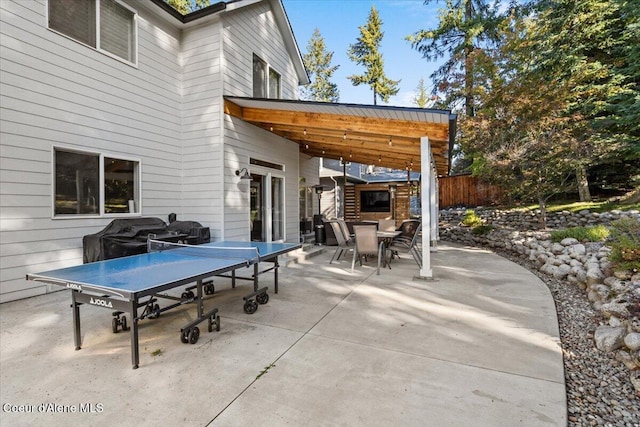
101,176
97,29
267,81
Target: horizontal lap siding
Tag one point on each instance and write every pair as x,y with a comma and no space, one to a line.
202,136
57,92
250,30
242,142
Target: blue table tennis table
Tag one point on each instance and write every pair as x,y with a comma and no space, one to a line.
125,285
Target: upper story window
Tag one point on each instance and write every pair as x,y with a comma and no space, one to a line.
107,25
94,184
266,81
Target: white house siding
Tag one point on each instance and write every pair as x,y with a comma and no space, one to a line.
57,92
250,30
202,134
242,142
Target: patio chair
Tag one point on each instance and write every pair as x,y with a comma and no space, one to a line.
345,242
387,225
404,244
366,243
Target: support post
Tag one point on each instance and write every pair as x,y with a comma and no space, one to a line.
425,195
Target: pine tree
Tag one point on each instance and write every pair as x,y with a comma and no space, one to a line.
318,63
187,6
366,52
422,97
464,27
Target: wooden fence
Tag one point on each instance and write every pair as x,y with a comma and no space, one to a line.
466,190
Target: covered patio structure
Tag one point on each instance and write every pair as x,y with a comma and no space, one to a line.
414,139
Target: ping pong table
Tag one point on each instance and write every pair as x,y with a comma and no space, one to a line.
124,285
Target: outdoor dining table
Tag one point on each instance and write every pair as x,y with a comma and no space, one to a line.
385,238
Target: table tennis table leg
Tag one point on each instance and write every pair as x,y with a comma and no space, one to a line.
256,272
76,320
275,274
135,354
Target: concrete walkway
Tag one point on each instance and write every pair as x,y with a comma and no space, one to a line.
477,346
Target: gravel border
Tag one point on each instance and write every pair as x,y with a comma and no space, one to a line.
599,390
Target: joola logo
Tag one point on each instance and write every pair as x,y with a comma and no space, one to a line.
74,286
101,302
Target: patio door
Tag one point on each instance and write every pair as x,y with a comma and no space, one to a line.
267,207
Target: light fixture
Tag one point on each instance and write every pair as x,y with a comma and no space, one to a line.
243,173
390,141
344,136
271,128
323,150
306,146
319,189
304,132
379,158
350,154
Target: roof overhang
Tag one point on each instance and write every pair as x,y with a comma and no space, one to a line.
369,134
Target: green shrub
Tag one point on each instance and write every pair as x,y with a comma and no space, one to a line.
598,233
480,230
471,219
625,244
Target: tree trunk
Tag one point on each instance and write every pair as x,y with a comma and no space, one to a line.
543,211
583,184
468,67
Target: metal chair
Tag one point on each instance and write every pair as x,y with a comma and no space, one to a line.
366,243
387,225
345,243
406,243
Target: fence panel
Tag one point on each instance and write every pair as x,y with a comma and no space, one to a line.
467,190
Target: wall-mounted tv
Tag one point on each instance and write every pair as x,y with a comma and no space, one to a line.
375,201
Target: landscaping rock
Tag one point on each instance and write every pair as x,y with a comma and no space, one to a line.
632,341
609,338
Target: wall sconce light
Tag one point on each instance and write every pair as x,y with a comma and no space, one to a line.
243,173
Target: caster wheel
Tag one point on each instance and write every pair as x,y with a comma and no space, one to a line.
156,311
190,295
114,325
209,289
194,334
262,298
123,323
185,295
184,337
215,321
250,307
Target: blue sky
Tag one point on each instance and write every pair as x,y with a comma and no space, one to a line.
338,22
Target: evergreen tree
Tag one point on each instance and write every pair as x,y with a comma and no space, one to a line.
589,46
366,52
422,97
318,64
465,26
187,6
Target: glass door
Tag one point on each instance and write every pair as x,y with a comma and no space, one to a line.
277,208
267,208
257,213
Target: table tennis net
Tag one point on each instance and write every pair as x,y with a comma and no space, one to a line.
249,254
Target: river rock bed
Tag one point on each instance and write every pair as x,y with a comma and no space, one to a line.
598,309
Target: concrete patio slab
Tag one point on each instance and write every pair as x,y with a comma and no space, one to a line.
477,346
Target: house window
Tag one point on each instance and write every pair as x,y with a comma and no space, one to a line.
107,25
274,84
266,81
94,184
